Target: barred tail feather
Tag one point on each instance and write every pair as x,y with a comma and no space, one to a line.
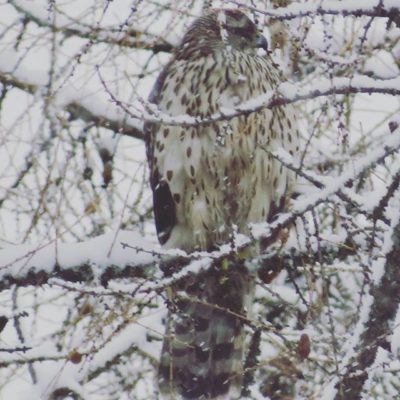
203,347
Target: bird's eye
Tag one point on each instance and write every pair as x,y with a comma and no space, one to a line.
247,33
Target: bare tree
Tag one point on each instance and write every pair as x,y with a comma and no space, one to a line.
82,279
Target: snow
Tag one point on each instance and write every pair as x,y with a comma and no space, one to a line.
306,202
328,7
376,372
133,334
288,294
314,39
89,99
350,345
348,348
382,65
290,92
38,8
102,251
10,63
395,338
321,85
23,391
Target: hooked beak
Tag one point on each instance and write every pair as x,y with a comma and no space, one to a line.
262,43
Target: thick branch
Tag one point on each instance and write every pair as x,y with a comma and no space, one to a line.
102,258
35,274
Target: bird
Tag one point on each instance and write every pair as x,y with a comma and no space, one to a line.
211,181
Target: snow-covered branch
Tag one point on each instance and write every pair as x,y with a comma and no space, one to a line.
92,111
131,38
100,259
87,110
370,8
344,195
127,256
308,202
109,257
378,328
286,93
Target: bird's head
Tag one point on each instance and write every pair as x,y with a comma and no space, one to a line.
220,28
238,31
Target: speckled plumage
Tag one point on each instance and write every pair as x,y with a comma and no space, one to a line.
208,179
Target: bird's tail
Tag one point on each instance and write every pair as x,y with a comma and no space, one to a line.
202,355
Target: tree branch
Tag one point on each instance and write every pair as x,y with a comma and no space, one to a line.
286,93
369,8
77,110
102,258
116,37
379,326
40,267
30,269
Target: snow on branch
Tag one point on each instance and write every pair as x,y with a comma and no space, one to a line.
100,259
390,146
286,93
92,110
370,8
93,33
374,330
88,110
128,255
343,194
124,255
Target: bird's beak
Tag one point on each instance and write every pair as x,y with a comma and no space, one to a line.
262,43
